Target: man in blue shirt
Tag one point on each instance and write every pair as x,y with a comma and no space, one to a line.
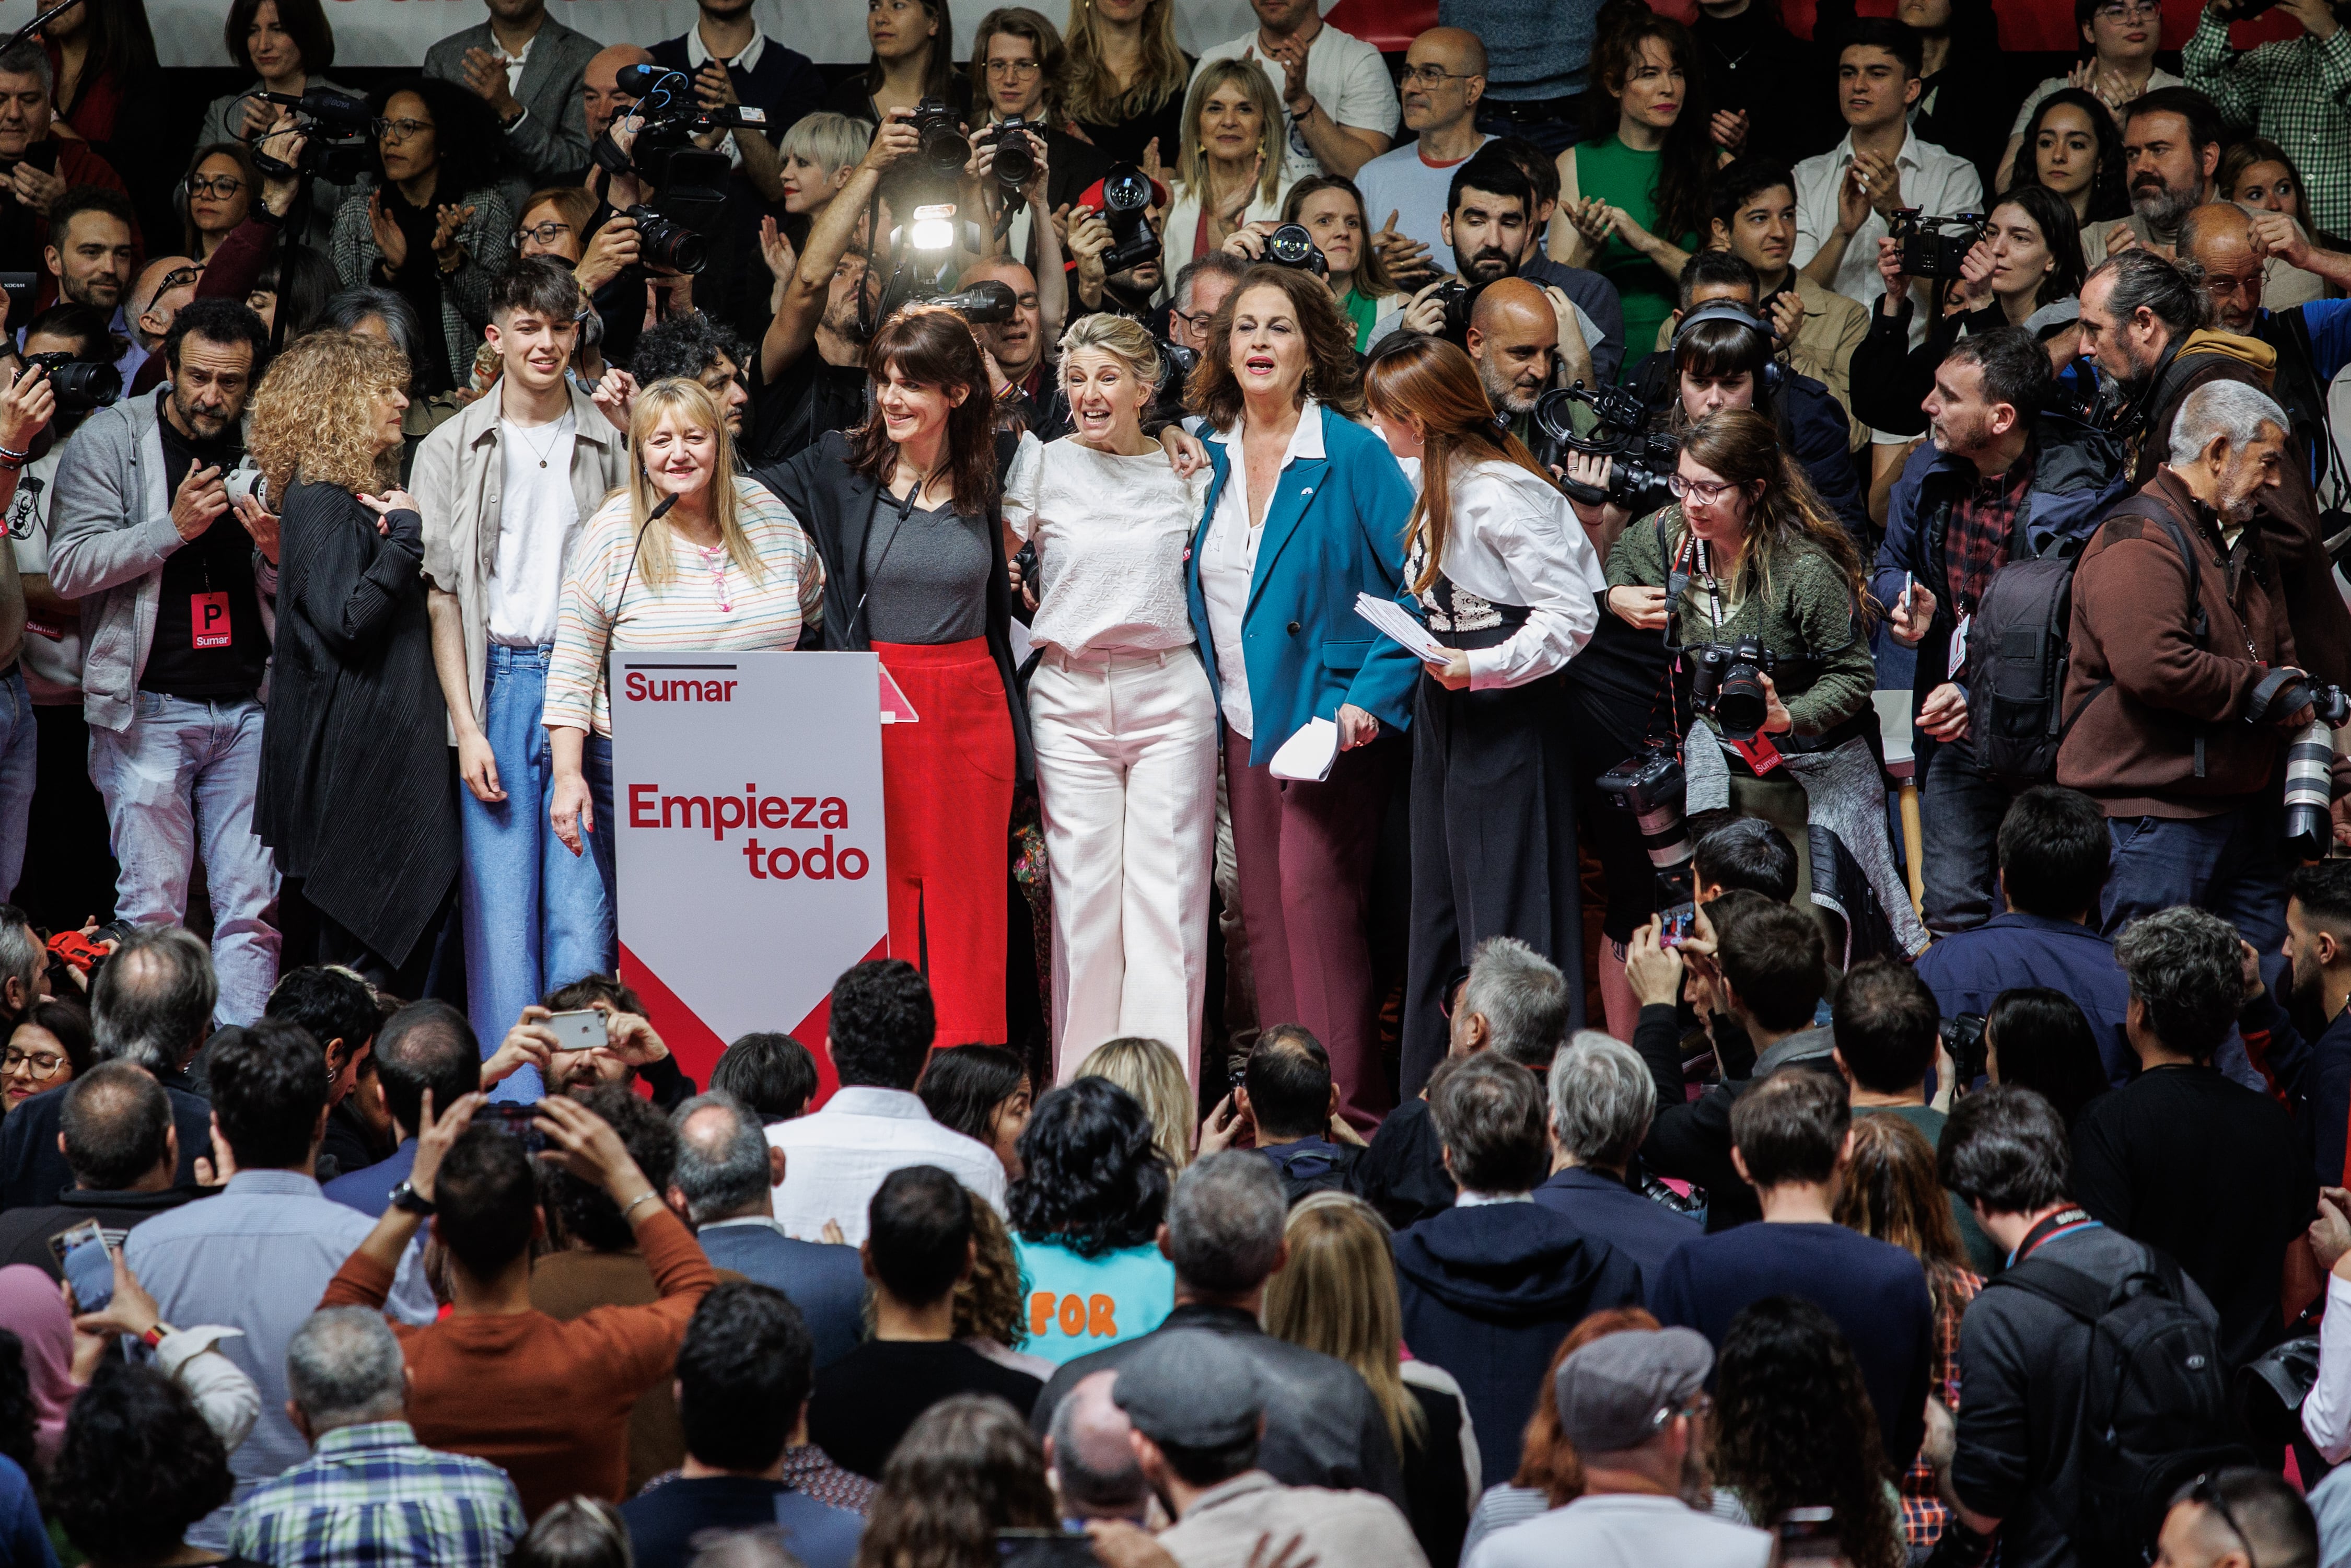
743,1377
1789,1135
724,1185
1602,1099
425,1045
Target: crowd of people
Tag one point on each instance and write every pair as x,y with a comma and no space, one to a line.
1622,847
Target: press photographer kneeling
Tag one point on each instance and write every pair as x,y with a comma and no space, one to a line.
1758,596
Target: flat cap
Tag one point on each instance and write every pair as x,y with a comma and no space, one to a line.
1190,1388
1619,1391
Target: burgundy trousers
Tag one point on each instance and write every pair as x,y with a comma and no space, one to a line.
1303,855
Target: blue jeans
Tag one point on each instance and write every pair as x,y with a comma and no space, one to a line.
179,781
19,758
1959,812
537,915
2230,864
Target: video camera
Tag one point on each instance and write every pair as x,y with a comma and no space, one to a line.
1291,245
1726,680
338,136
78,384
1126,204
1934,248
689,181
1643,460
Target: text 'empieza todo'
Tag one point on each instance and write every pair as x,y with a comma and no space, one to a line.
721,814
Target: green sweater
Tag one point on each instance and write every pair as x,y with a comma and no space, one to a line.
1807,612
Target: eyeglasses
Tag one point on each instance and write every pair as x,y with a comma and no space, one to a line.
2219,286
2144,11
1018,70
547,233
178,278
39,1063
2209,1495
399,130
1707,491
213,185
1196,320
1432,76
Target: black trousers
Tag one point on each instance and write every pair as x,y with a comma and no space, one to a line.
69,864
1493,846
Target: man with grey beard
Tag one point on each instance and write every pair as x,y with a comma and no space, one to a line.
2172,147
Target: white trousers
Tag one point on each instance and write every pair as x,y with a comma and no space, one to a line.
1126,777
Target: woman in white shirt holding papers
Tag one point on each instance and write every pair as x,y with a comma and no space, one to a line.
1120,708
1509,587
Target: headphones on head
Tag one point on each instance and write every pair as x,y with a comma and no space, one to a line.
1768,379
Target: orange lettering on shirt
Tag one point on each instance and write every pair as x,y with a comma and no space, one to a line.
1073,1315
1099,1321
1041,1312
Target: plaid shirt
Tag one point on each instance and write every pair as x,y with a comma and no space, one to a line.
1923,1510
2293,93
372,1495
1975,545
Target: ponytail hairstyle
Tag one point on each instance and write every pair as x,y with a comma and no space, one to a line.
1429,380
1744,448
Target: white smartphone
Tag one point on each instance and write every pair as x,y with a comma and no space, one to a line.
580,1030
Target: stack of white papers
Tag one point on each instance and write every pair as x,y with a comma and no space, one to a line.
1394,623
1308,755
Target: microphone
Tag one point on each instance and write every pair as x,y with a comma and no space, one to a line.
980,304
661,510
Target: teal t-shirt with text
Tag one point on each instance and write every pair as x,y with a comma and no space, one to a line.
1080,1305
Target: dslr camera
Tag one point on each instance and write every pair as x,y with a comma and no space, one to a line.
1016,141
1726,680
1652,787
1126,205
1643,459
79,385
1934,248
1291,245
338,136
689,181
941,146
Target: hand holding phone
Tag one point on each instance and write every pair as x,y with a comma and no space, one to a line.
582,1029
88,1264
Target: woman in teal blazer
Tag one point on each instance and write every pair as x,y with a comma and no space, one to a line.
1306,510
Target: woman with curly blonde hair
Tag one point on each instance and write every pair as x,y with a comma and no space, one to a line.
355,796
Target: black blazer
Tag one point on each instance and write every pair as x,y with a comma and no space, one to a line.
835,504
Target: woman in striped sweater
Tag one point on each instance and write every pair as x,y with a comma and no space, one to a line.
726,567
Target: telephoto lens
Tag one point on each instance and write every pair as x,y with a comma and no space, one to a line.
2309,771
939,135
1651,786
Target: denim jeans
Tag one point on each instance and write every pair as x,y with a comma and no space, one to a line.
19,760
179,781
2231,864
1959,812
537,915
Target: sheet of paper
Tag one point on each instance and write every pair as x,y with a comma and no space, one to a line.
1308,755
1394,623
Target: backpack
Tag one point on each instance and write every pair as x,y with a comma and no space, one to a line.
2155,1410
2020,645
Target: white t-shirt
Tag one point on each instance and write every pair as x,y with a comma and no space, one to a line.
1111,533
1229,560
52,664
1401,182
537,515
1345,75
1938,184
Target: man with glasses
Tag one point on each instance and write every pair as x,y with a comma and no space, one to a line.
2291,91
1016,65
2313,340
1405,190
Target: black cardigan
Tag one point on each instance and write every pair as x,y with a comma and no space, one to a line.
355,793
835,504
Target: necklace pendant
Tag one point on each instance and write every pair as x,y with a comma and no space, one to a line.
542,463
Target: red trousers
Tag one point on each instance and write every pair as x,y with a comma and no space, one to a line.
1302,853
946,784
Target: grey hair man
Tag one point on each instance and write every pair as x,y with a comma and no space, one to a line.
724,1187
124,1153
1093,1466
1224,1234
1602,1101
150,1006
23,964
368,1478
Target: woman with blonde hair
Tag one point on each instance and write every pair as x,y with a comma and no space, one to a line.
1337,1295
1123,77
1890,1193
1124,723
1509,583
1229,161
355,796
1151,1071
725,566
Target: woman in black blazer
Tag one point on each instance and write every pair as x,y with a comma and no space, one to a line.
355,796
906,514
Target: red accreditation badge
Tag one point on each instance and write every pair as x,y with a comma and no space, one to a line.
208,620
1760,754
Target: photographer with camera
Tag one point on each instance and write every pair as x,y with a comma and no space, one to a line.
1114,252
1508,584
1017,69
2009,477
2024,270
1723,355
2183,685
176,643
1323,229
434,222
1761,595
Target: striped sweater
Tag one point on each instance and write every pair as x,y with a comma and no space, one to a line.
708,602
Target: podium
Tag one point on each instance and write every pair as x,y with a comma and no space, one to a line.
747,793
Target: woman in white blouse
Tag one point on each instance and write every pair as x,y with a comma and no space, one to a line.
1123,720
1509,585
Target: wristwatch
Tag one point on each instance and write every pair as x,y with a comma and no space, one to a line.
408,1200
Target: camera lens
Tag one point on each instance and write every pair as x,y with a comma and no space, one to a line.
1124,190
1016,160
671,245
1739,702
78,384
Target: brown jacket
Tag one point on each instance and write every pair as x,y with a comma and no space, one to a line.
2133,744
